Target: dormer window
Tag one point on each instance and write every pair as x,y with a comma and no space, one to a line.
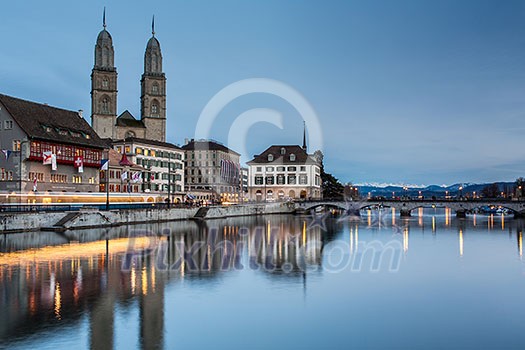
283,150
292,157
270,157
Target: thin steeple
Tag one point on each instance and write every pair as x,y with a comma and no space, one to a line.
104,18
304,135
153,25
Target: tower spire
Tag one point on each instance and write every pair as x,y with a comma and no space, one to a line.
153,25
304,135
104,18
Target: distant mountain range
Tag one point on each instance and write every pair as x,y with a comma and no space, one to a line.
390,191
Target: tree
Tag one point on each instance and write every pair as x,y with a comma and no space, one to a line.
331,187
490,191
520,187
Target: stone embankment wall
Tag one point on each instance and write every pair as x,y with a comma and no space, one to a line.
60,221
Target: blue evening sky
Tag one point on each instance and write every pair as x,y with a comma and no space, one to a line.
412,91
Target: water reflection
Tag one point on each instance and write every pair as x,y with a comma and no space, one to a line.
45,283
49,280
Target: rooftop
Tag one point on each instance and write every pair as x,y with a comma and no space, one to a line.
206,145
43,122
282,155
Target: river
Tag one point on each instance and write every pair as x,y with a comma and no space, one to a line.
273,282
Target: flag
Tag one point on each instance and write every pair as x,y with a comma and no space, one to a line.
6,153
79,163
47,155
53,162
152,177
104,164
35,183
137,176
124,175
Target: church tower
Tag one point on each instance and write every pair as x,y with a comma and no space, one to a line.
104,85
153,91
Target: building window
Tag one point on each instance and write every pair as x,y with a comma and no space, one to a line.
270,180
155,88
258,180
283,150
291,180
303,179
105,105
270,157
281,168
8,124
38,176
58,178
77,179
292,157
154,109
269,168
292,168
303,168
280,179
105,83
91,180
16,145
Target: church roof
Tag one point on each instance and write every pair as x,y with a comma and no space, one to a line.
104,37
153,43
43,122
126,119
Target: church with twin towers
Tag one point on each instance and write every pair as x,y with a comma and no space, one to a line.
104,119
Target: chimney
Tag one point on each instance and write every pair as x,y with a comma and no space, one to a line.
80,112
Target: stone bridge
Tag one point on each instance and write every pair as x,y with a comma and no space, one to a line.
405,207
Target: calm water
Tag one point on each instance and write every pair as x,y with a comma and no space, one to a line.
279,282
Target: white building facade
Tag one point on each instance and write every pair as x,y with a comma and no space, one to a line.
284,172
163,165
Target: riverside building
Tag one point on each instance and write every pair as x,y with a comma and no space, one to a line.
284,172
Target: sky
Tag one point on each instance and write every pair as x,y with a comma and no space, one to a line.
405,92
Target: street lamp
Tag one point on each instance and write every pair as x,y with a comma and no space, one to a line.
169,182
20,152
106,174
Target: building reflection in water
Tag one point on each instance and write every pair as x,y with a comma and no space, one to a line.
49,279
54,281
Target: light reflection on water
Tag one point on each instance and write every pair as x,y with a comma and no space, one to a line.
268,282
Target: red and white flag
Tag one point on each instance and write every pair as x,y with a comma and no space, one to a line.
47,157
35,183
79,163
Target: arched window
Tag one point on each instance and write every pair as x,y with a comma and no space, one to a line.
105,83
292,157
155,88
270,157
154,109
105,105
